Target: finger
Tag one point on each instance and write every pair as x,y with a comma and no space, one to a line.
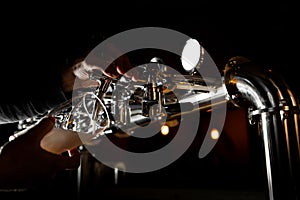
85,84
120,70
131,74
80,72
59,140
42,128
83,70
123,64
90,83
134,76
111,71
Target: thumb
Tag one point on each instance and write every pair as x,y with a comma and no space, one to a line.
42,128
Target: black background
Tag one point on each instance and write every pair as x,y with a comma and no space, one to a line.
265,32
48,34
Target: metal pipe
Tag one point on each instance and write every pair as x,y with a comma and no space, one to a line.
271,102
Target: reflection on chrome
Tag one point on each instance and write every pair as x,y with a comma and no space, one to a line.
275,110
271,105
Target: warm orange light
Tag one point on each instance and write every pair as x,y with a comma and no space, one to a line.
214,134
164,130
232,81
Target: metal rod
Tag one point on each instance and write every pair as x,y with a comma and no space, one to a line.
272,101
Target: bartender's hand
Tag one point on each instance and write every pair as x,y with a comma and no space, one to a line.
24,163
94,63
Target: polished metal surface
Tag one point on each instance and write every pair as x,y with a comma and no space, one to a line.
275,110
271,104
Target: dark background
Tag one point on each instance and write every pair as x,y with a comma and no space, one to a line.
265,32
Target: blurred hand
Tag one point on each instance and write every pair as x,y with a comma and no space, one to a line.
82,69
24,163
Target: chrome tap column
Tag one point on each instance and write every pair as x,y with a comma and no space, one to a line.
275,110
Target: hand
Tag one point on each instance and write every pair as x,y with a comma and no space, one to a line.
82,68
24,164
